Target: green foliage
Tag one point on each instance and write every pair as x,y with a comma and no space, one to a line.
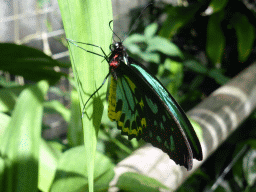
215,43
153,44
28,62
72,173
245,32
136,182
20,141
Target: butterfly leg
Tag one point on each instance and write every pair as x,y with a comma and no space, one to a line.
77,42
95,92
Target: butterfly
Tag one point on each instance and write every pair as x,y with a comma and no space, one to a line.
144,109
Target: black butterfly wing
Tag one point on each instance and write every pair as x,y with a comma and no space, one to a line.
143,108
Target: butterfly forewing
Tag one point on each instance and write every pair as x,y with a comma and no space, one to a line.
142,111
171,106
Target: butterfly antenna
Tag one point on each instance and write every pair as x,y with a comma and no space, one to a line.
95,92
137,20
113,31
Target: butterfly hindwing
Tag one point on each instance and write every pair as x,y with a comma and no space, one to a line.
126,107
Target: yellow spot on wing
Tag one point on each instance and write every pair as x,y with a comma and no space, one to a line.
130,131
143,123
141,104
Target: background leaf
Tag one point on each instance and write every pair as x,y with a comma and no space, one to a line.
72,172
20,145
245,32
215,44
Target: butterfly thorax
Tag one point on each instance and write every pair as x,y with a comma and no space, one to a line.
118,55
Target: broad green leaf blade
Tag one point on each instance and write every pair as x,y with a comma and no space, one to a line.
72,172
88,22
21,139
245,32
137,182
215,44
28,62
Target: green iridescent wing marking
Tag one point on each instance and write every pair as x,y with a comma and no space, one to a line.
126,107
143,108
175,110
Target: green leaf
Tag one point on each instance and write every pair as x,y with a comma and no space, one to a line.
134,38
48,158
195,66
72,172
2,168
175,70
164,46
215,44
134,49
8,97
21,140
88,22
249,167
56,106
218,76
150,30
4,121
245,32
177,18
150,57
137,182
28,62
215,6
198,129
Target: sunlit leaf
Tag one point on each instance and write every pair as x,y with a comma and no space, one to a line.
215,44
